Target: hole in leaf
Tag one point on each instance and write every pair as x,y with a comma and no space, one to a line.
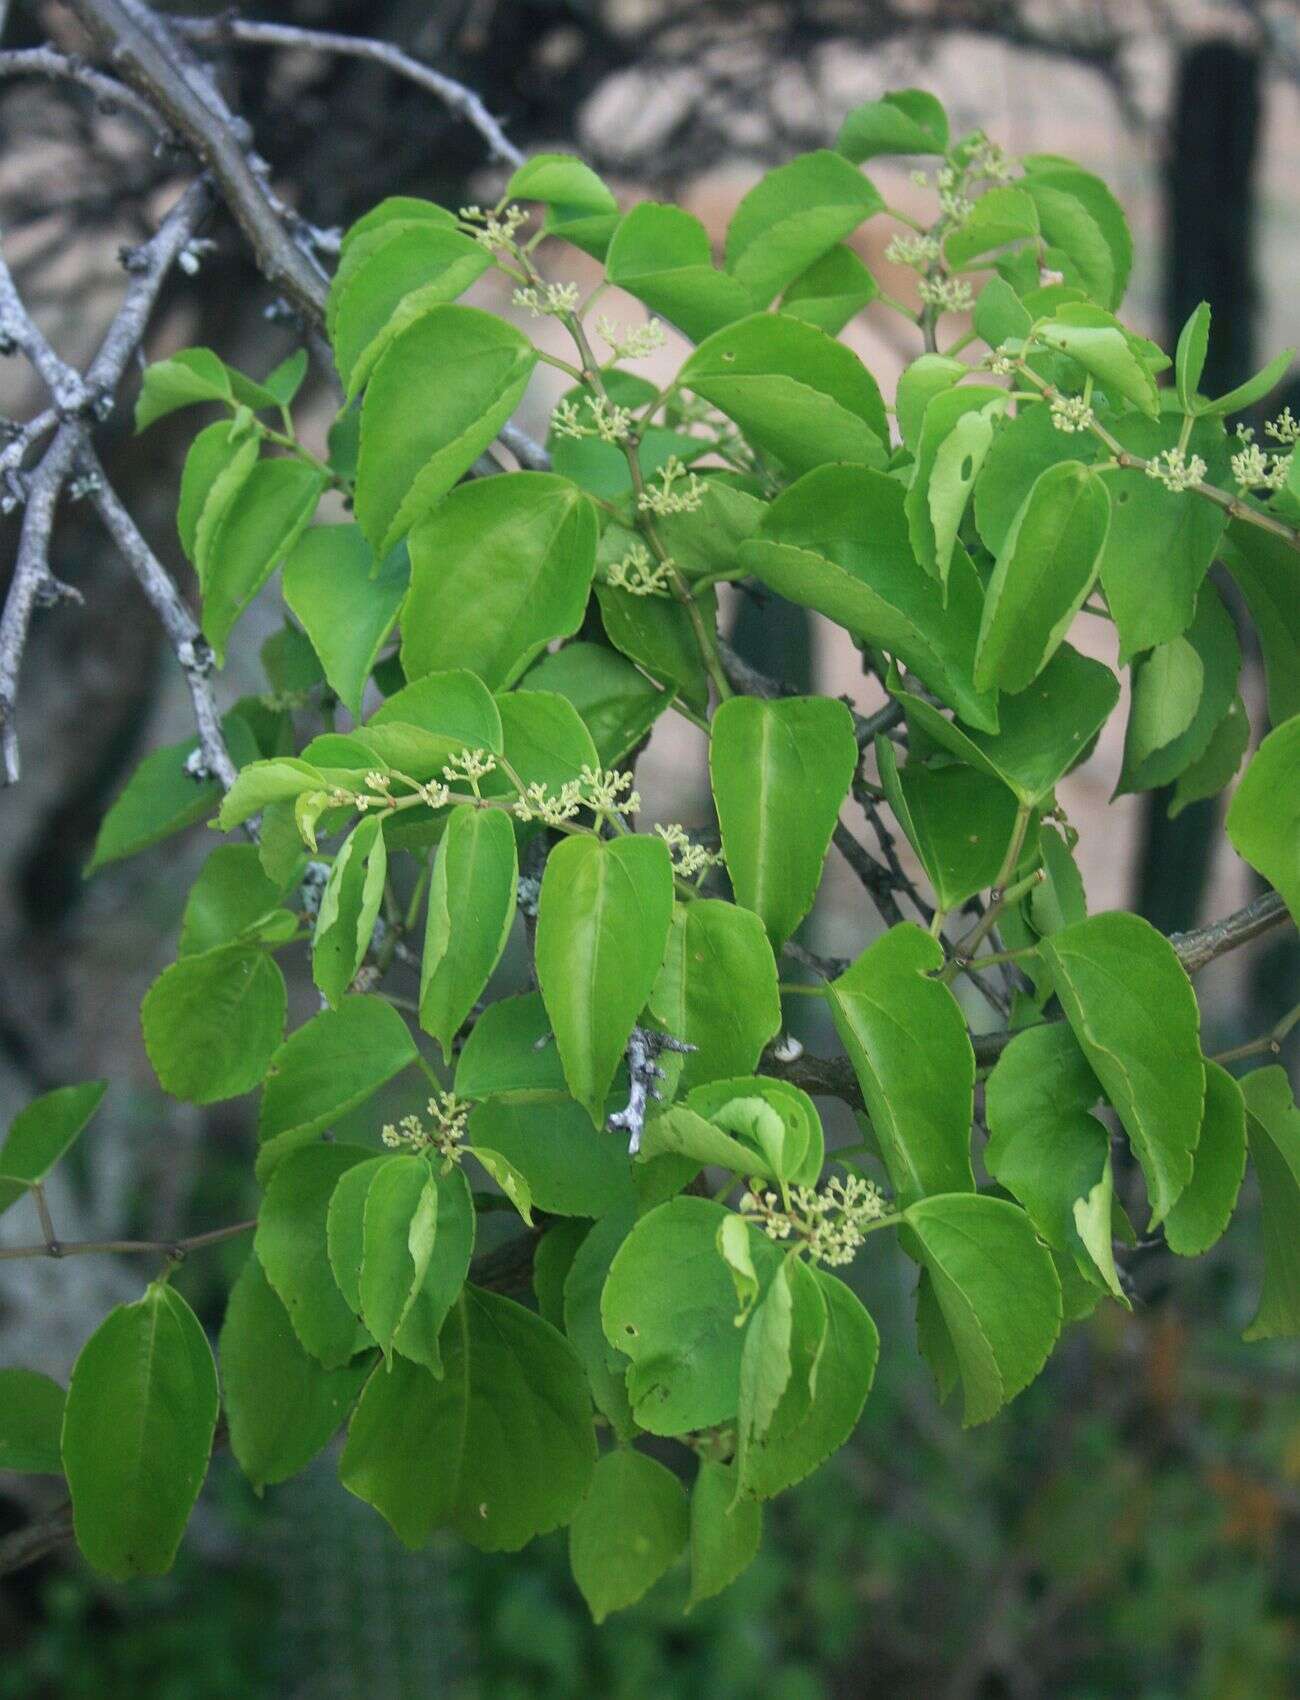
967,469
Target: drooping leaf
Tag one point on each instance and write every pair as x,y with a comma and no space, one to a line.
605,1365
1205,1206
233,900
1218,762
471,911
398,1229
725,1535
1273,1131
956,432
1214,667
717,989
349,907
347,606
628,1530
1264,815
1266,570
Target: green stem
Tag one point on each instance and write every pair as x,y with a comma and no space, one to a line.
999,895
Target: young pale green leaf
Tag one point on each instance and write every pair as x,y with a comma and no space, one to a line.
957,819
1253,390
792,216
904,121
632,1525
717,989
218,461
687,1133
412,453
281,779
512,1181
1170,687
419,1333
797,1152
618,705
292,1247
999,216
733,1241
725,1535
1105,354
906,1038
349,907
837,541
1042,576
928,375
1044,729
282,1407
1264,568
661,254
420,727
602,927
831,291
232,899
212,1022
31,1423
1264,815
192,375
784,1338
499,1450
346,604
498,569
956,432
795,392
40,1134
1084,225
471,911
1205,1206
780,771
605,1365
398,1229
257,529
1132,1009
845,1368
334,1062
1189,357
669,1306
509,1050
997,1291
1273,1130
571,1168
137,1433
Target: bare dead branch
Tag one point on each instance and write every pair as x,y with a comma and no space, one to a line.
110,95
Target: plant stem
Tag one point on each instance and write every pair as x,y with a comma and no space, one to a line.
172,1249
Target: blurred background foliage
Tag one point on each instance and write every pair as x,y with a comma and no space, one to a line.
1131,1528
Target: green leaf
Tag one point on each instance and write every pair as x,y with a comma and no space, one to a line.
260,783
906,1038
618,704
1044,731
1218,762
778,1366
906,121
1046,1147
509,1050
281,1406
399,1224
999,216
137,1433
231,899
602,926
219,452
1273,1130
1082,220
661,254
1106,354
291,665
1189,357
212,1022
501,1449
1205,1207
425,723
1133,1011
669,1305
628,1530
780,771
846,1367
1253,390
471,911
659,636
795,392
498,569
725,1535
687,1133
419,1334
1170,686
717,989
581,209
997,1291
606,1367
797,1152
837,541
571,1168
347,606
1264,815
544,740
552,1262
477,367
31,1422
40,1134
257,529
1165,696
1042,576
999,315
1266,571
956,432
792,216
349,907
928,375
193,375
292,1247
831,291
1023,449
958,820
513,1183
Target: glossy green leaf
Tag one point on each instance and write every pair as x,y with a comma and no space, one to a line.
657,633
1205,1206
928,375
1084,225
905,121
349,907
602,927
40,1134
661,254
831,291
421,726
725,1535
630,1528
906,1038
780,771
792,216
137,1433
347,607
957,819
257,529
471,911
1264,815
997,1291
498,569
579,206
212,1022
571,1167
1132,1009
399,1224
717,989
1273,1131
499,1450
1105,354
801,1144
31,1422
193,375
956,432
477,367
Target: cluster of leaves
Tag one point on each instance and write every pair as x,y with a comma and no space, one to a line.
1047,476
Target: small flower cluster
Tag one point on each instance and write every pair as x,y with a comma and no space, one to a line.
1253,469
916,251
468,767
987,159
668,498
1071,413
607,791
495,229
631,342
610,423
1284,429
639,574
954,205
448,1116
602,790
1003,363
1175,471
946,294
832,1223
551,808
554,301
688,859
